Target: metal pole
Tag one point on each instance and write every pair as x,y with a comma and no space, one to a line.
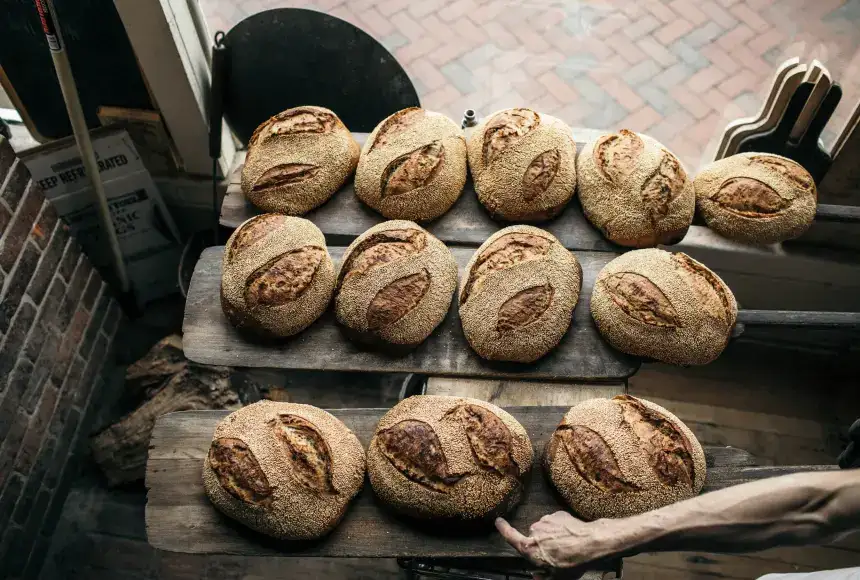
79,127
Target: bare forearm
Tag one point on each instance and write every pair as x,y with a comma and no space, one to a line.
796,509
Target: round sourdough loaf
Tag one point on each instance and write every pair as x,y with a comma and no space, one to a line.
297,160
413,165
284,469
395,284
634,190
518,294
449,458
523,165
756,197
663,306
612,458
277,276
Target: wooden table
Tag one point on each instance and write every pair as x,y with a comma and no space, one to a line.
209,339
467,223
180,518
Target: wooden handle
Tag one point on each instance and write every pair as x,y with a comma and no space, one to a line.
847,214
799,318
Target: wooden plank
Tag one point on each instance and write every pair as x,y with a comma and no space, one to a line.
524,393
180,518
209,339
344,217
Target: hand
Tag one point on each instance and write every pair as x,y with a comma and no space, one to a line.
559,542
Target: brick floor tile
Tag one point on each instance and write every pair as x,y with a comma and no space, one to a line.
562,41
703,35
440,30
445,53
658,99
455,9
508,60
657,51
740,82
530,89
591,91
692,57
687,10
661,11
390,7
628,50
547,18
540,63
459,76
735,37
764,42
672,31
486,11
613,23
718,14
466,29
480,56
394,41
691,102
439,99
608,115
425,7
704,79
705,129
407,25
727,3
576,114
429,75
345,13
721,59
500,36
601,50
641,72
632,9
674,75
670,125
558,88
532,41
716,100
547,103
751,60
641,26
505,101
642,119
752,19
623,94
417,49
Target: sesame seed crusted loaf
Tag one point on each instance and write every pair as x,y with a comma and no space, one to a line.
413,165
523,164
395,283
297,160
634,190
449,458
756,197
663,306
284,469
612,458
518,294
277,276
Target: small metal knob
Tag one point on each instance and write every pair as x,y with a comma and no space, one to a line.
470,118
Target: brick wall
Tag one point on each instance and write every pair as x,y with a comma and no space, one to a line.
57,323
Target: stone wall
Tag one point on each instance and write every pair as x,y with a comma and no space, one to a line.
57,324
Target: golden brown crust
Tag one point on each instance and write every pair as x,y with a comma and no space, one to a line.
663,306
304,463
449,457
517,301
413,166
634,190
523,165
297,160
623,456
395,284
756,197
277,276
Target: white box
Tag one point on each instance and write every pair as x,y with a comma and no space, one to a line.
147,234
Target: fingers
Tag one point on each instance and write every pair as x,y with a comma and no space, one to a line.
512,536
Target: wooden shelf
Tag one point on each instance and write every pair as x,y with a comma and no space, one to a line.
209,339
180,518
467,223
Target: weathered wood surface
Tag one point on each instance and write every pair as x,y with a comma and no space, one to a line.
180,518
344,217
210,339
505,393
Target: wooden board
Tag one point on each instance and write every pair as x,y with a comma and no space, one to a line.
209,339
180,518
507,393
344,217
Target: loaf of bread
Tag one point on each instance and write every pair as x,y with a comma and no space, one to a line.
759,198
612,458
297,160
523,165
277,276
518,294
395,284
449,458
663,306
283,469
413,165
634,190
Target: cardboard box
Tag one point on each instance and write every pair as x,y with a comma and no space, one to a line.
147,233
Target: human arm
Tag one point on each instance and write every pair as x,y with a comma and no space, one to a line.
794,509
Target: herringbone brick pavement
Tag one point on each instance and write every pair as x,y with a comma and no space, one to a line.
678,70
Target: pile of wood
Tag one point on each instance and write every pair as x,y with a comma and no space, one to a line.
162,382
